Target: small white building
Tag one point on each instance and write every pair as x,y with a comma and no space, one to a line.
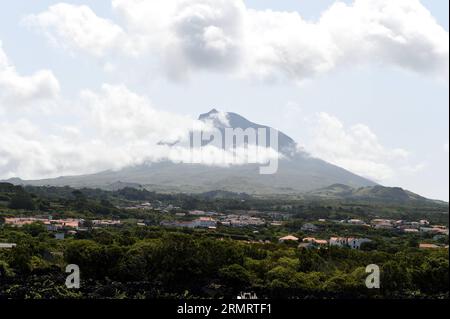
338,241
355,222
288,238
205,222
7,245
410,230
429,246
197,212
276,223
384,226
430,230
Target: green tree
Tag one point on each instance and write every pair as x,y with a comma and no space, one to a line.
235,276
21,200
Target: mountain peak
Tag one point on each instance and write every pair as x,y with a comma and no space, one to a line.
222,120
209,114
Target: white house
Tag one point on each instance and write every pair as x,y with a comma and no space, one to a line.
355,222
204,222
410,230
429,230
288,238
7,246
384,226
383,223
338,241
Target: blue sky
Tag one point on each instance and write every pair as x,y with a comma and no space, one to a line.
390,116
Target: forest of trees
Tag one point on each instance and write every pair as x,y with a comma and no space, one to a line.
158,263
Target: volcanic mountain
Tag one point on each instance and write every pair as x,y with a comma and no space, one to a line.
298,172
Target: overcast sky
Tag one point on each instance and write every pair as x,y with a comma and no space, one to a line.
92,85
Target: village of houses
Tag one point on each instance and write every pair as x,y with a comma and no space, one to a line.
211,220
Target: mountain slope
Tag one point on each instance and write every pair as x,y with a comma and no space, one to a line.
298,172
375,193
296,175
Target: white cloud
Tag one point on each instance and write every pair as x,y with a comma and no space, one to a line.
29,152
17,90
357,149
114,128
226,36
121,115
78,27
